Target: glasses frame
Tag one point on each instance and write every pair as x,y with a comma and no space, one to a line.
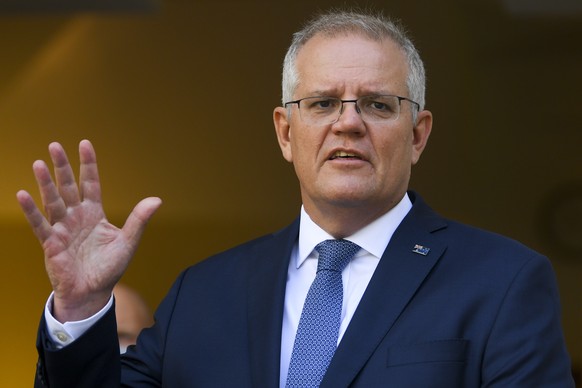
355,102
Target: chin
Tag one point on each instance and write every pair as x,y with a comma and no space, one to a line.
349,199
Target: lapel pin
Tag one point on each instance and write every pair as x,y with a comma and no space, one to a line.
421,250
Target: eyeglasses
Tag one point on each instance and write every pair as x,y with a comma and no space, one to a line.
327,110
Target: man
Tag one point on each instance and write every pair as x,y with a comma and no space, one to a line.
423,301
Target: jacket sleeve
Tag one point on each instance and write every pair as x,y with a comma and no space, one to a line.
92,360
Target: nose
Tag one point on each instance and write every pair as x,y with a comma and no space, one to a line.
350,119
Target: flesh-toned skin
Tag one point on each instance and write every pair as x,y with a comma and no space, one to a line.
84,254
343,194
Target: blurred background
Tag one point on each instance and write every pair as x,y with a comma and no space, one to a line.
177,98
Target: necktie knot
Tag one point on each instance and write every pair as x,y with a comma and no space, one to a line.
334,255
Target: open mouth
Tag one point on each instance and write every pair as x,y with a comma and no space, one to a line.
345,155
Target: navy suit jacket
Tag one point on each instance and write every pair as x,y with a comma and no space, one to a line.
476,310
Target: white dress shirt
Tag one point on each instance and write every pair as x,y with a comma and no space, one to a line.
373,239
62,334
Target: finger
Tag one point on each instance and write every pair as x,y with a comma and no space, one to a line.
89,174
65,178
138,219
54,206
40,226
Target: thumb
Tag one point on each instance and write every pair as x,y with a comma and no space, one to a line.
138,219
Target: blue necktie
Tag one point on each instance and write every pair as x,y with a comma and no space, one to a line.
317,334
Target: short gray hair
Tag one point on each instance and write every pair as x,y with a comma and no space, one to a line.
376,27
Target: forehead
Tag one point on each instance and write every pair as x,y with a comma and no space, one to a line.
349,63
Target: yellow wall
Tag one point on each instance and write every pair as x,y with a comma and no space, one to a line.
178,104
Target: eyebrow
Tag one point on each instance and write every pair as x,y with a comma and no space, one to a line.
327,93
333,93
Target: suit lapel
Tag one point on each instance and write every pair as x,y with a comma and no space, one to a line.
401,271
266,296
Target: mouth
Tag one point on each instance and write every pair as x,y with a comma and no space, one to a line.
345,155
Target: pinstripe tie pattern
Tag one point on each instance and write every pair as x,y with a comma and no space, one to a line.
317,333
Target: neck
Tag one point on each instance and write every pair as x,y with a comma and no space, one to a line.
343,221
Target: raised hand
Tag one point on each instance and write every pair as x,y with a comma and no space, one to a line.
84,254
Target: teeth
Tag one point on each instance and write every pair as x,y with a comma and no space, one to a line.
343,154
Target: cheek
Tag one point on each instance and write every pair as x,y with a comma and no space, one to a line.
395,151
306,147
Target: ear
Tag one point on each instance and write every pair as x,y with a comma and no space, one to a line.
421,132
283,131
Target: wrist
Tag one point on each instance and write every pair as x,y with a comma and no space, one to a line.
64,310
63,334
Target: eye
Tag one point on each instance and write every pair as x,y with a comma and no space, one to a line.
380,104
322,104
383,106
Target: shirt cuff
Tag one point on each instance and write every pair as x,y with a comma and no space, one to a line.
63,334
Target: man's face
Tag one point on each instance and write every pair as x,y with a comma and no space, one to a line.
375,176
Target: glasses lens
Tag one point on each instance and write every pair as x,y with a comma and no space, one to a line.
376,109
320,110
327,110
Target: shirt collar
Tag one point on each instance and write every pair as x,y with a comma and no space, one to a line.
373,238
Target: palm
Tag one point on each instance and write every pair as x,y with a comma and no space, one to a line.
84,252
85,255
